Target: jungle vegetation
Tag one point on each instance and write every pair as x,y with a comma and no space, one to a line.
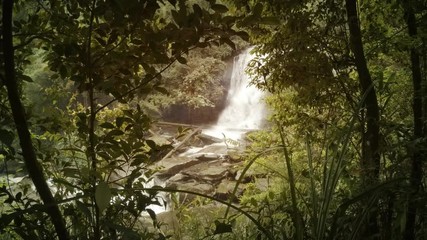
81,82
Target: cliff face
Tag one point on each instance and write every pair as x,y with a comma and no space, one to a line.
181,113
188,115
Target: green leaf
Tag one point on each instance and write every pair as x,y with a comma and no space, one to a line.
5,219
101,41
115,132
138,145
228,42
104,155
243,35
26,78
152,214
121,120
9,200
138,161
151,144
161,90
219,8
102,196
181,60
247,21
125,146
18,196
221,227
229,20
107,125
18,220
197,10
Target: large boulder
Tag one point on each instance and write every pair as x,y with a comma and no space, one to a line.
171,166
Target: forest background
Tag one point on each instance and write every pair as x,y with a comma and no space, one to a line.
82,81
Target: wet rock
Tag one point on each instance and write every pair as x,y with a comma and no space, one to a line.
182,150
207,170
217,148
212,171
207,140
178,178
171,166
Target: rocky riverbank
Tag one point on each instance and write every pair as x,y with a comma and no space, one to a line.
205,165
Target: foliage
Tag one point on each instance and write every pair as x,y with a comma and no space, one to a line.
307,65
187,83
95,161
92,74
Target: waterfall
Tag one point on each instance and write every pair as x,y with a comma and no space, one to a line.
244,109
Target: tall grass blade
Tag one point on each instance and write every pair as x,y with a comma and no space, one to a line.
372,194
314,197
251,161
332,173
331,177
296,216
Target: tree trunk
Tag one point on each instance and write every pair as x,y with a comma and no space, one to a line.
370,161
34,169
417,107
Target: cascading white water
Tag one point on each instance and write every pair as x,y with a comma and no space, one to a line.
244,110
